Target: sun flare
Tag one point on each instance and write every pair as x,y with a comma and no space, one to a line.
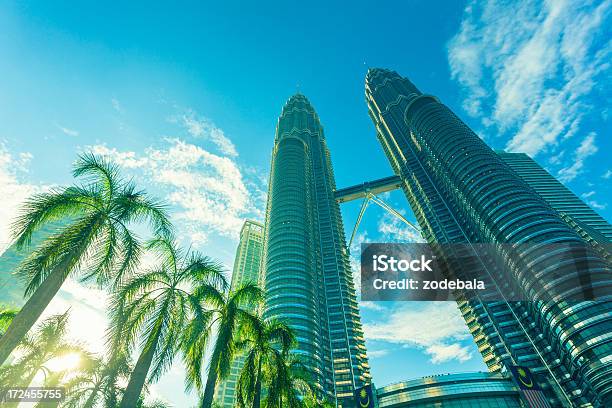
65,362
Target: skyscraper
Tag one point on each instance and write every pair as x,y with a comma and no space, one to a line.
462,192
557,195
247,267
308,280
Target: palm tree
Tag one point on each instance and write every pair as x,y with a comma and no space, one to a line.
117,370
226,313
263,340
53,380
38,350
63,377
159,303
118,354
92,387
289,383
84,390
96,241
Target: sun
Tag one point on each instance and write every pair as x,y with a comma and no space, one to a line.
63,363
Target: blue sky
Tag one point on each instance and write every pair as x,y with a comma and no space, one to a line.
186,96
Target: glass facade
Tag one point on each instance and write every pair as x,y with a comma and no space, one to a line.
461,191
12,288
247,266
557,195
465,390
308,279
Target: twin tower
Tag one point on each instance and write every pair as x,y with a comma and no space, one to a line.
308,279
460,191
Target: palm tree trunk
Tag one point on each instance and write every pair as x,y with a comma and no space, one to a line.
91,400
111,390
257,396
139,375
211,380
31,311
110,384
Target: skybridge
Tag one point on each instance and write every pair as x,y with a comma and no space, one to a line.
368,191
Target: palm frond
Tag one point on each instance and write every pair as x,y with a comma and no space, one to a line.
141,283
63,250
131,251
45,343
104,254
248,294
251,330
165,355
137,313
137,206
245,387
193,345
203,269
225,343
173,315
279,331
114,258
115,342
43,208
209,295
166,251
99,171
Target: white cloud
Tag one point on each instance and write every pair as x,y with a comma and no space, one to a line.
377,353
204,128
556,159
441,353
597,205
592,203
540,61
587,195
375,306
208,190
392,229
68,131
437,328
355,259
128,160
12,190
586,149
607,174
